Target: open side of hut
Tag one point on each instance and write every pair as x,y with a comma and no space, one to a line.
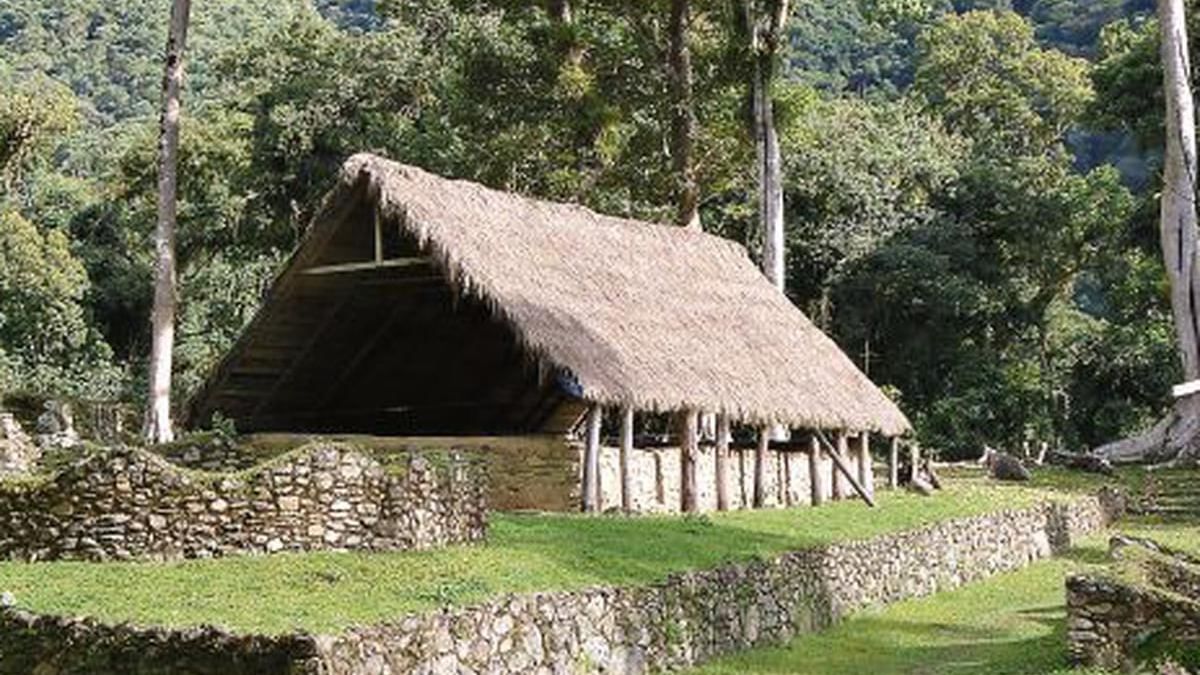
421,306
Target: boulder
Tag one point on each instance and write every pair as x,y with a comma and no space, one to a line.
1003,466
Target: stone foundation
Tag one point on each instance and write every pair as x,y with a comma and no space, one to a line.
126,503
681,621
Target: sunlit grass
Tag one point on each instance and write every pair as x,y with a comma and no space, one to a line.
329,591
1013,624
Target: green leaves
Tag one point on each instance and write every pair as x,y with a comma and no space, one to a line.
986,76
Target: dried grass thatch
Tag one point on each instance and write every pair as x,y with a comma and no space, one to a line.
657,317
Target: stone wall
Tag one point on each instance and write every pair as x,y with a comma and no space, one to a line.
1109,616
681,621
127,503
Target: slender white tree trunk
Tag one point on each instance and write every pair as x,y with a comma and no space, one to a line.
766,24
162,318
1176,436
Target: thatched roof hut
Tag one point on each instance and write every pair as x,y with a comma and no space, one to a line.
417,304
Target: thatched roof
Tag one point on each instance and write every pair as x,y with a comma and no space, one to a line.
653,316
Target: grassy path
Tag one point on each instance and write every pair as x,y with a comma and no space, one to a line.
1013,624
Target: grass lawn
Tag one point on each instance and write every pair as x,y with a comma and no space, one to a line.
1008,625
324,592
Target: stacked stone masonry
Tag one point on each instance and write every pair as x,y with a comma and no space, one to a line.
1110,616
682,621
127,503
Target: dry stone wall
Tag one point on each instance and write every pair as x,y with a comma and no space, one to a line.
681,621
128,503
1110,615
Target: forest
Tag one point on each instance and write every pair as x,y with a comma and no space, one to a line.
970,186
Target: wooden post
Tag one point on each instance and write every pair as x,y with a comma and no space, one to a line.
839,464
839,481
626,456
689,447
816,481
866,473
745,500
894,464
914,457
785,479
722,462
760,466
591,460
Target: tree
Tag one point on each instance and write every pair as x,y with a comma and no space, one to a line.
1176,436
162,316
763,23
987,77
683,115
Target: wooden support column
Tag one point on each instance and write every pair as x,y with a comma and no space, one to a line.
840,466
689,447
894,463
626,457
914,457
866,474
760,466
722,462
842,452
785,478
591,460
816,480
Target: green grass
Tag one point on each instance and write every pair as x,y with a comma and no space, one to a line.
1013,624
324,592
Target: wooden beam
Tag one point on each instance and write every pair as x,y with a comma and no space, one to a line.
378,234
816,480
840,466
626,456
591,460
785,478
722,462
839,483
914,456
866,474
343,268
689,447
760,466
894,463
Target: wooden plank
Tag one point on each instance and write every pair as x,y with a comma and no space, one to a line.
840,467
1186,389
722,462
689,448
367,265
626,452
816,480
591,460
760,466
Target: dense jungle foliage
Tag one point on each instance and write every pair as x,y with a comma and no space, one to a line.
970,185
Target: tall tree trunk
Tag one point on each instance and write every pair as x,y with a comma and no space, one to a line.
162,318
765,23
1176,436
683,116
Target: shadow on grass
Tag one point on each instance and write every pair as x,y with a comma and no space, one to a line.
882,646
